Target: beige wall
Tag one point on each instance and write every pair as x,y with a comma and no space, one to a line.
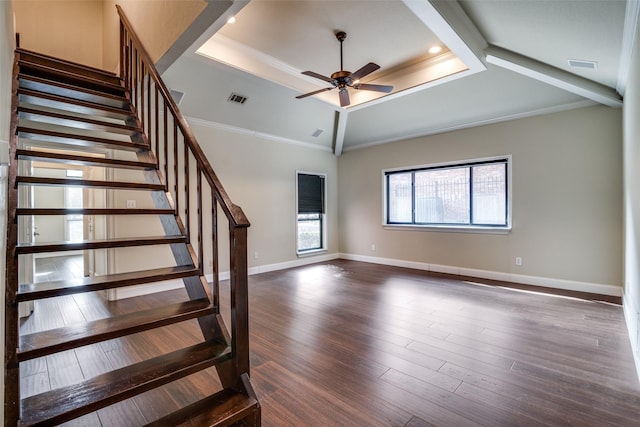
567,198
632,200
70,30
87,31
259,176
158,23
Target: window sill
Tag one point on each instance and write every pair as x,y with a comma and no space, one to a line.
311,253
449,229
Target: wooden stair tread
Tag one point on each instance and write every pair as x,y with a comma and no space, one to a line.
74,159
64,64
94,211
65,403
31,248
72,91
36,180
74,139
71,104
68,77
221,409
85,333
26,78
62,119
35,291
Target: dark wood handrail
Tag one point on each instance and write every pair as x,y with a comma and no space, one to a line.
155,108
234,213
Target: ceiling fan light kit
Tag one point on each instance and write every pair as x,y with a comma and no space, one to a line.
346,79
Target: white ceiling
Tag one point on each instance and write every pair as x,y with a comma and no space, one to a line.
511,58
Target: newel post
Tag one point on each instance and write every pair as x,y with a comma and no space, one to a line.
239,299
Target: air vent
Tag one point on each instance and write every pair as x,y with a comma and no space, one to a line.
579,63
317,133
234,97
176,95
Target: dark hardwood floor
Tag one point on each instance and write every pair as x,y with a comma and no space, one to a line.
355,344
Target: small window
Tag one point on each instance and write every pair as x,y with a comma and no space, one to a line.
472,194
73,199
310,227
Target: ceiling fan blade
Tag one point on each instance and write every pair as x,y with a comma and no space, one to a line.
319,76
314,92
376,88
367,69
344,97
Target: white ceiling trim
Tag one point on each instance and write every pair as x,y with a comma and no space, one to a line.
553,76
506,118
438,81
262,135
242,57
629,37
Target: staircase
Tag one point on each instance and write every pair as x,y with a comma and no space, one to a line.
127,127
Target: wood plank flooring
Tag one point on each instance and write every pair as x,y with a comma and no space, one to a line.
354,344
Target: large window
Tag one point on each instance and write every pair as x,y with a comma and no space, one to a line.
473,194
311,208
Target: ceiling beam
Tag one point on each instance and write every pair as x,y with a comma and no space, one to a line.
341,128
213,17
553,76
449,22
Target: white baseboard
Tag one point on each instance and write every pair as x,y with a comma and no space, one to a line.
224,275
547,282
136,291
632,318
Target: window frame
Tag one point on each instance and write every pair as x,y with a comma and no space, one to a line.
455,227
322,217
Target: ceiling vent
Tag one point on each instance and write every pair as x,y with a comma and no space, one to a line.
580,63
317,133
234,97
177,96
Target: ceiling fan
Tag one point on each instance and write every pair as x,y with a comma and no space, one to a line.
346,79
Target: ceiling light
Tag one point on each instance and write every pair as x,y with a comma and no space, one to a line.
231,20
435,49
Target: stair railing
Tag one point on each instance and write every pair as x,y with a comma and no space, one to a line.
181,162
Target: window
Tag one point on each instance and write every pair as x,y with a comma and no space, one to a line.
73,199
310,216
473,194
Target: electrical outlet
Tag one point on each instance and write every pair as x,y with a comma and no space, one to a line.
518,261
131,204
373,247
255,255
